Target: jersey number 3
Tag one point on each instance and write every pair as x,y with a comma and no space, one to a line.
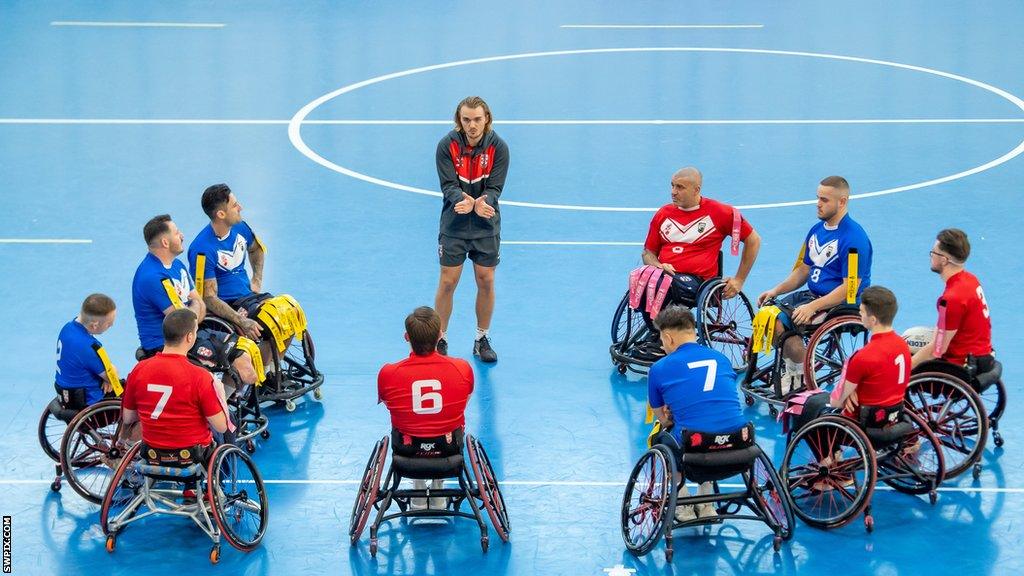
426,397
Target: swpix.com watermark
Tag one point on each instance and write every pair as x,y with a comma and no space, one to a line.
7,544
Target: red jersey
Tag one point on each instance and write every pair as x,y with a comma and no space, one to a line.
880,370
967,313
690,240
173,398
426,395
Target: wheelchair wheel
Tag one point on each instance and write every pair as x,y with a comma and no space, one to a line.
915,466
119,503
89,451
649,503
725,325
237,496
828,349
829,470
51,430
366,496
770,496
490,492
955,413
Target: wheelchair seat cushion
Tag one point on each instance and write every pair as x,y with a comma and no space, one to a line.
427,468
889,434
714,466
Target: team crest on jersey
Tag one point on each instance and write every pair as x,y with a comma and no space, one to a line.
484,160
822,255
229,260
675,232
204,352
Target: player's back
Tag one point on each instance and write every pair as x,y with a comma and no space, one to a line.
699,386
173,398
426,395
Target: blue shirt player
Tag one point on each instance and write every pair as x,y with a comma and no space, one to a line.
693,388
161,283
218,256
84,371
831,246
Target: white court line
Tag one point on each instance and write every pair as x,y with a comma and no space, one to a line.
135,24
559,243
659,26
596,122
44,241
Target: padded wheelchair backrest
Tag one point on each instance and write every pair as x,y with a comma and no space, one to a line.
706,442
427,468
984,379
879,416
714,466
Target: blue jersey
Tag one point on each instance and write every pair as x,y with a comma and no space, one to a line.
826,250
78,362
154,289
225,260
699,387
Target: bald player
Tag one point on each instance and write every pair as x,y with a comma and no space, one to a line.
823,266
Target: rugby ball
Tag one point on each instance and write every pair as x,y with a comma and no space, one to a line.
918,337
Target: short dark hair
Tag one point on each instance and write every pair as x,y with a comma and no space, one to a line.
214,198
424,328
953,241
880,302
178,324
156,227
837,182
675,317
97,306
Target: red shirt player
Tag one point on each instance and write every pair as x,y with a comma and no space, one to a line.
175,401
686,236
877,374
964,327
426,393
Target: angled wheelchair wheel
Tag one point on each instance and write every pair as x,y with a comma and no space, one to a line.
771,497
955,414
121,499
828,349
487,484
51,430
235,491
649,503
725,324
369,486
829,471
90,451
915,465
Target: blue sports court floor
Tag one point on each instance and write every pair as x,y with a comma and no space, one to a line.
323,117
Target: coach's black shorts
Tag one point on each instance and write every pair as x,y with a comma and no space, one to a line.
482,251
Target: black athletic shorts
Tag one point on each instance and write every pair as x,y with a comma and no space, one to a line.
482,251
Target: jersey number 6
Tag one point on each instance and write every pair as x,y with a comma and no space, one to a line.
426,396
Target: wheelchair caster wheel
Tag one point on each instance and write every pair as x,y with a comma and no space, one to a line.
621,368
976,470
773,411
215,554
55,485
933,497
668,554
265,434
318,394
111,543
777,543
748,399
250,446
869,523
373,547
997,438
485,543
289,405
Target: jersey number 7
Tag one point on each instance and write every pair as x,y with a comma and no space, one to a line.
709,377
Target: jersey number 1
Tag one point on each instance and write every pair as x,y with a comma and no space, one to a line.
426,397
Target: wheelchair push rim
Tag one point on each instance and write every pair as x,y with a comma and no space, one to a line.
50,431
771,497
829,348
369,486
237,496
726,325
915,465
955,413
92,443
648,504
487,485
829,471
123,489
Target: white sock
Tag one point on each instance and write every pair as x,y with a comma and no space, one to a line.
480,333
794,367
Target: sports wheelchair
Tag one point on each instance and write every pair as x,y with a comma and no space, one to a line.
227,494
831,338
832,462
650,500
482,486
982,375
292,371
722,324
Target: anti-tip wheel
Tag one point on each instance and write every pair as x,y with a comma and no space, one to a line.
265,434
250,446
289,405
55,485
111,543
976,470
215,554
318,394
869,523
